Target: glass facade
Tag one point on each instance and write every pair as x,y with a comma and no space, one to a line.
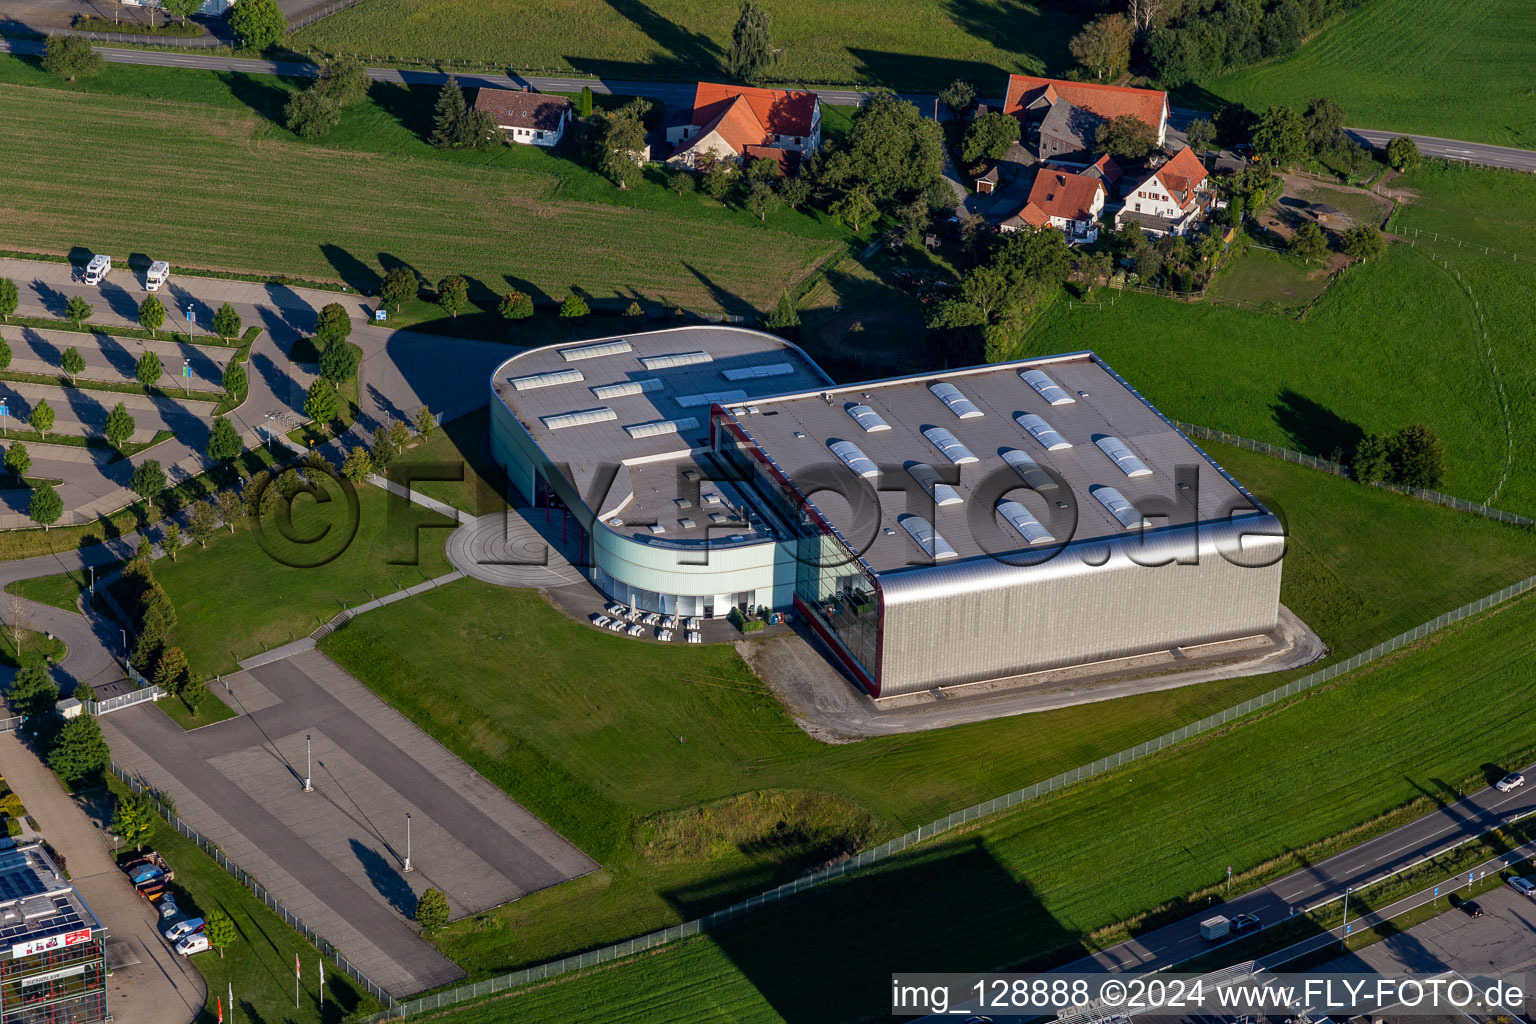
63,986
705,605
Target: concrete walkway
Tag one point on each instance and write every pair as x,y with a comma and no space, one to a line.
161,987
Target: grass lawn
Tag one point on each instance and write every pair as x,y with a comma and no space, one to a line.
457,448
920,44
210,711
249,591
1259,275
1032,883
858,323
527,697
260,963
33,644
371,195
61,591
1460,71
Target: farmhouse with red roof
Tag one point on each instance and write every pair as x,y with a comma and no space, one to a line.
1172,200
1060,119
740,123
1070,203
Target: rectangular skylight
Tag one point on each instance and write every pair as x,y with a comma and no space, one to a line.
579,417
601,348
1048,389
1023,520
950,445
854,458
1122,455
627,387
926,537
958,404
710,398
1029,470
760,370
1124,512
1042,431
675,359
867,418
656,428
544,380
928,478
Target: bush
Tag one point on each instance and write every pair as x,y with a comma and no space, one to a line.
681,183
96,23
70,57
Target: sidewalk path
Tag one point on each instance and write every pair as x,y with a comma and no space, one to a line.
162,988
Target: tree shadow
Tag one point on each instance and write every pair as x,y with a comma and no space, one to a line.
726,300
410,105
686,55
358,275
1314,428
385,878
261,93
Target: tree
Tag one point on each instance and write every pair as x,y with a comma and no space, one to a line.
135,819
338,363
148,369
258,24
151,314
320,404
226,322
1096,268
346,80
1200,133
234,379
958,96
33,692
584,102
1418,457
311,114
854,209
399,286
70,57
399,435
41,419
1371,462
761,198
202,523
1104,45
1403,154
78,310
1364,242
796,191
615,143
224,443
913,218
230,508
432,909
989,137
171,670
148,481
332,323
681,182
220,930
18,460
426,423
1309,244
892,150
9,298
634,309
516,306
119,426
170,541
574,308
453,294
1126,137
357,465
1323,125
784,316
1280,136
80,750
717,180
72,363
383,452
449,115
181,8
752,51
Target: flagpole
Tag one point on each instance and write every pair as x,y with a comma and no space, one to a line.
322,986
231,1002
295,981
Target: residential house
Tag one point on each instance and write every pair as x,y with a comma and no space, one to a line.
740,123
529,118
1070,203
1060,119
1173,200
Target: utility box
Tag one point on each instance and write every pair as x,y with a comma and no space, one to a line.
69,707
1213,928
159,273
97,269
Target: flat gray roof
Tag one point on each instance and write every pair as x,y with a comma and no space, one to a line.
36,903
795,431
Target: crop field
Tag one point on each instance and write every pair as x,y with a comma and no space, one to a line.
1459,71
917,44
249,199
1034,881
518,690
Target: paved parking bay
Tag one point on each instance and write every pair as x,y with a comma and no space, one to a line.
80,412
115,360
335,856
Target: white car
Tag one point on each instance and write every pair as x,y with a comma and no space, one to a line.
1524,886
194,943
183,928
1510,782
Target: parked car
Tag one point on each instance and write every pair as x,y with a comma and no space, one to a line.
1470,908
181,929
1510,782
1245,923
168,908
1523,886
194,943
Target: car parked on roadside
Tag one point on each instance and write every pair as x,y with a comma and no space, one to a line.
1523,886
181,929
1510,782
194,943
1470,908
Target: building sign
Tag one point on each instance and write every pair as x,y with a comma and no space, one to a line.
52,942
51,976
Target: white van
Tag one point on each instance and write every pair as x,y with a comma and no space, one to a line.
97,269
159,273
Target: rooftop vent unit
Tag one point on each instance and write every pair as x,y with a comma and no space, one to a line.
760,370
950,445
580,417
544,380
601,348
627,387
1030,471
1047,388
1023,520
711,398
1122,456
867,418
1124,512
656,428
928,479
926,537
957,403
854,458
1043,432
675,359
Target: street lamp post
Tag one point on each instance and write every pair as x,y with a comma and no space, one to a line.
186,377
308,770
407,840
1343,937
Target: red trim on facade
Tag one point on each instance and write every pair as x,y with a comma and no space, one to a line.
871,686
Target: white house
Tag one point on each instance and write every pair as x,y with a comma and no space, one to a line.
741,123
529,118
1070,203
1173,200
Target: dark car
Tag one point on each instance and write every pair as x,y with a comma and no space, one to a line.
1470,908
1244,923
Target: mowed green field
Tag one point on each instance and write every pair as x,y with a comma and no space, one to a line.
916,44
1459,71
217,186
594,733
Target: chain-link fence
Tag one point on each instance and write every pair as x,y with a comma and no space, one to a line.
257,889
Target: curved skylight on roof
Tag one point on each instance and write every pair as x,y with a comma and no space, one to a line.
544,380
854,458
867,418
1124,512
601,348
760,370
710,398
1042,431
675,359
627,387
926,537
1120,453
957,403
578,417
928,479
1023,520
1047,388
949,445
1029,470
656,428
